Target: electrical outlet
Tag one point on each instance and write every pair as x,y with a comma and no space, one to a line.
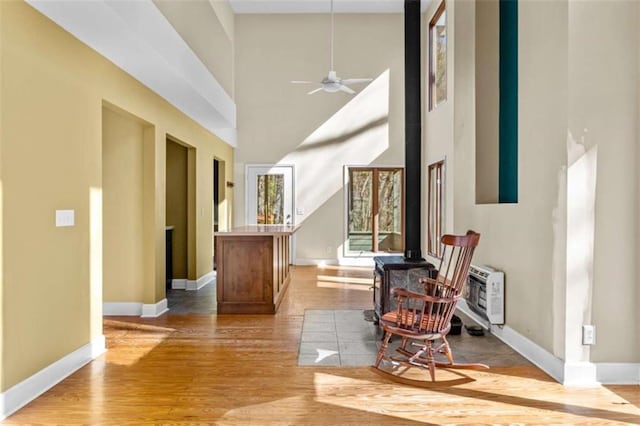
329,249
588,334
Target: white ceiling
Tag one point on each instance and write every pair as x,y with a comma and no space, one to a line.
320,6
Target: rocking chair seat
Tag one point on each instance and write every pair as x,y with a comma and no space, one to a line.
415,323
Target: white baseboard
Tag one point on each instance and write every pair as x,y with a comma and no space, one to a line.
29,389
202,281
153,310
192,285
618,373
357,261
583,374
122,308
314,262
539,356
135,309
178,283
343,261
580,374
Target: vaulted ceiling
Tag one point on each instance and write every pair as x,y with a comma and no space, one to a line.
171,46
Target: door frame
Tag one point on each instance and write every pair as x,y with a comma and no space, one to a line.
292,246
270,166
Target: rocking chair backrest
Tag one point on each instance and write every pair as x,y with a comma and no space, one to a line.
455,261
449,284
430,313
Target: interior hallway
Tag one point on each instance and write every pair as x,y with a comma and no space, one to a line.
243,370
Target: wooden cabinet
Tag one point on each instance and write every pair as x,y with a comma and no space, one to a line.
252,268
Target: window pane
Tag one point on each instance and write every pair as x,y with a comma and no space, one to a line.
440,39
390,211
435,208
261,213
438,57
270,199
360,210
375,210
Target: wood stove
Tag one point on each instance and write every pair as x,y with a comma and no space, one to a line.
396,271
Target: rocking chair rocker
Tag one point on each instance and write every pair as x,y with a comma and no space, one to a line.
424,318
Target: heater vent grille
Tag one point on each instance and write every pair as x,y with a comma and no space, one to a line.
484,293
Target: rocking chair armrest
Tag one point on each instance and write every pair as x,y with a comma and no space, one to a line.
403,293
428,281
438,299
430,284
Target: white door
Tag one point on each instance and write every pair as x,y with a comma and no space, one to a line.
269,195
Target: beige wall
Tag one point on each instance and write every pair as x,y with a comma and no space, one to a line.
603,105
487,97
576,126
508,242
319,134
177,205
122,224
52,91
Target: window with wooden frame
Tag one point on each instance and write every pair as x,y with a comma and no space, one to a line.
435,208
438,57
375,198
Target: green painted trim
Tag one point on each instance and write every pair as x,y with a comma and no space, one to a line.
508,119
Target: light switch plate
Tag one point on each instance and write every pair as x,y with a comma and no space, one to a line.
65,218
588,334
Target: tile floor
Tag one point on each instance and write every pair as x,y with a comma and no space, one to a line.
337,338
346,338
201,301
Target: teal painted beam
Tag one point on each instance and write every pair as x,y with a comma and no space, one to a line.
508,116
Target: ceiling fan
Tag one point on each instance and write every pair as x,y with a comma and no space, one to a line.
332,83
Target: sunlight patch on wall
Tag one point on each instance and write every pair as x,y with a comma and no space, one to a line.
1,298
357,134
581,200
95,261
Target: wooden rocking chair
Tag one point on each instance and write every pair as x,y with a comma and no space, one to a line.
423,318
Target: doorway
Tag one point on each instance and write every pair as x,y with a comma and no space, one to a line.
219,217
180,213
269,195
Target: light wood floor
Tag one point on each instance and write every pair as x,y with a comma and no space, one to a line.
202,369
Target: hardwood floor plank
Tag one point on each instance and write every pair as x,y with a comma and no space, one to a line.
230,369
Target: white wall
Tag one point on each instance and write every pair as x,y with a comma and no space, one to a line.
437,129
568,246
319,134
603,109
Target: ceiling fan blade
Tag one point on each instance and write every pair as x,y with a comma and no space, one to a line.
314,91
347,89
304,82
356,80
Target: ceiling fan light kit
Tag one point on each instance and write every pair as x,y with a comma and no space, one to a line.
332,83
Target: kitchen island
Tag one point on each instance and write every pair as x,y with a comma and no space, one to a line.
252,268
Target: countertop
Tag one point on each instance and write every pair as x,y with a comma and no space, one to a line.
260,230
